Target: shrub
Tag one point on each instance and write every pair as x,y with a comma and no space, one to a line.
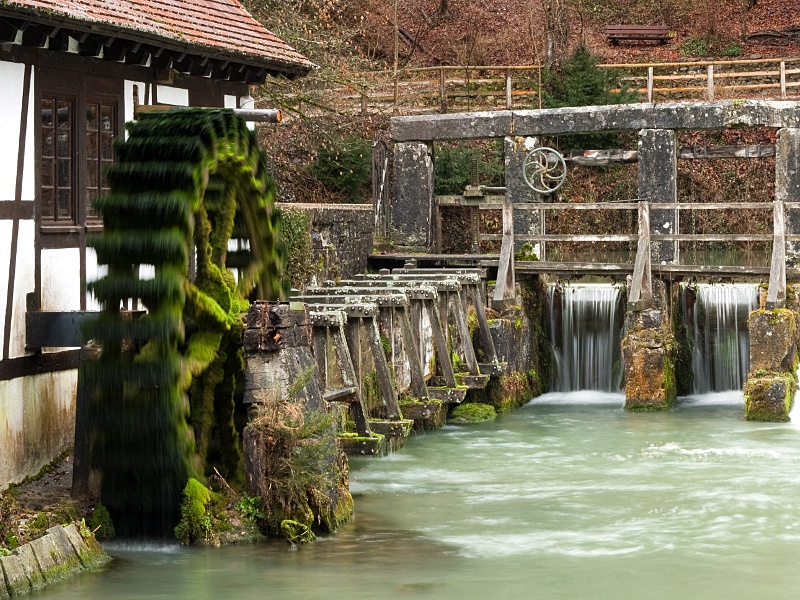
101,524
453,166
344,167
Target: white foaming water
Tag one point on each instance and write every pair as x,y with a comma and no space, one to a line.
729,398
588,397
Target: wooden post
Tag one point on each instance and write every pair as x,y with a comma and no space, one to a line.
410,347
641,292
710,83
388,392
649,84
508,88
487,343
350,379
440,344
783,80
467,350
776,294
504,291
442,91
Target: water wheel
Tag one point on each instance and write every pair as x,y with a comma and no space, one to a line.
183,184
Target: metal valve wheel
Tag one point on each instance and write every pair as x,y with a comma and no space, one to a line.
544,170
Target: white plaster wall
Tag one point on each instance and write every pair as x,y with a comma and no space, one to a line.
172,95
143,99
11,74
61,276
24,283
37,422
93,273
5,257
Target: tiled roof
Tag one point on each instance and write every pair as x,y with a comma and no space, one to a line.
215,28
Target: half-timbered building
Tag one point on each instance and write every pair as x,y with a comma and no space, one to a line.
71,74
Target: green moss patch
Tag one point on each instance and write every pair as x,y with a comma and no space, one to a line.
472,412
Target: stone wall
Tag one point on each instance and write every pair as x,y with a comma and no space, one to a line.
341,237
60,554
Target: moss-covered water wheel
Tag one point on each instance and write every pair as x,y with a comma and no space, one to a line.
183,183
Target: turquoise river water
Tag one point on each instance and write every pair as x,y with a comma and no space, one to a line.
568,497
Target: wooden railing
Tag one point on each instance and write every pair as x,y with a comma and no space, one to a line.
493,87
641,287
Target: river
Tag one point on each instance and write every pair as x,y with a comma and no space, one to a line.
568,497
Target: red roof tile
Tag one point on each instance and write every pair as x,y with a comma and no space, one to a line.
209,27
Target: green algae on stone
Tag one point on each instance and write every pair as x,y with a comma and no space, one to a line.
472,412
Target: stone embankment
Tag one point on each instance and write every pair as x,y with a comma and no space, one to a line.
61,553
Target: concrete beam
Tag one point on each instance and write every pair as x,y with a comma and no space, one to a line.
617,117
787,185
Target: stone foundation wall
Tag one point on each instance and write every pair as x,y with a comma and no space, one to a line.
341,237
60,554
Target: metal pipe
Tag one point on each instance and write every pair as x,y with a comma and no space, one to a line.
261,115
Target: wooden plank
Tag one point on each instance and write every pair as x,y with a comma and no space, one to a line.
776,294
440,344
504,287
641,293
411,349
487,342
388,391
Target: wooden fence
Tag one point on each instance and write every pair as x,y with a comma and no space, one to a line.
467,88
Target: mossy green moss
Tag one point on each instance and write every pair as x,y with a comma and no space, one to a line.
472,412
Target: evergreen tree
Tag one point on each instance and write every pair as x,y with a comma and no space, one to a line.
580,82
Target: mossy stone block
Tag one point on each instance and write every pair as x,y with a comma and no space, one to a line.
53,560
31,566
773,343
359,445
427,415
88,550
649,371
769,398
395,431
15,578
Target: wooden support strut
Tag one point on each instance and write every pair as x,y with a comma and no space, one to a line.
776,294
349,376
410,345
440,344
504,287
465,347
388,392
640,296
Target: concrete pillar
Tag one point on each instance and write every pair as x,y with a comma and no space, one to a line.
787,185
528,222
647,356
771,383
658,182
411,210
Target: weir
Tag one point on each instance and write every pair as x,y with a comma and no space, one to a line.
585,329
716,321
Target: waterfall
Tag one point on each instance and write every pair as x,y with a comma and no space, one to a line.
585,332
716,319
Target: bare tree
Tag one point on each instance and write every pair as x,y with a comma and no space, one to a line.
556,30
